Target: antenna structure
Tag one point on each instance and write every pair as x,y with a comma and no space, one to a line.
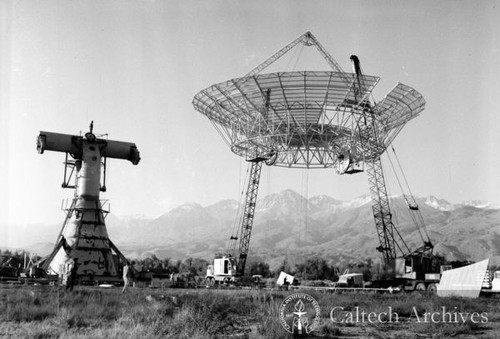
311,119
83,237
307,119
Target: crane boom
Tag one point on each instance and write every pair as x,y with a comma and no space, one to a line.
392,244
230,265
400,262
390,239
248,215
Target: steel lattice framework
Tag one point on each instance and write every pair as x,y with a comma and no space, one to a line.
312,119
306,119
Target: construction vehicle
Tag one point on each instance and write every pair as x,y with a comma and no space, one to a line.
491,281
230,267
317,119
223,270
8,272
405,268
12,270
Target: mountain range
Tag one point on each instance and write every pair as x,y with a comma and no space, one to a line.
289,225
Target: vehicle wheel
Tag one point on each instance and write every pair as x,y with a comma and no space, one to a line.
210,281
420,287
432,288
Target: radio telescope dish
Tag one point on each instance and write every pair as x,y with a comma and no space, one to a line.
306,119
309,119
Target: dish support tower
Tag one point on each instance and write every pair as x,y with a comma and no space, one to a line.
83,236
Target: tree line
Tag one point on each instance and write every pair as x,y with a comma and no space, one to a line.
313,268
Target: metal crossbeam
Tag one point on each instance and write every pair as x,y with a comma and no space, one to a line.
307,39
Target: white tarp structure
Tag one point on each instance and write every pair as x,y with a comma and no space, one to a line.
285,278
464,281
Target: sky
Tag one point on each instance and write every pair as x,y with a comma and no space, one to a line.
133,67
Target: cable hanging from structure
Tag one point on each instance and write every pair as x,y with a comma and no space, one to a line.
410,200
231,244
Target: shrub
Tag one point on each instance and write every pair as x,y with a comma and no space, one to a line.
145,313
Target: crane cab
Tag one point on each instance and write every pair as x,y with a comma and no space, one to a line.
413,267
223,270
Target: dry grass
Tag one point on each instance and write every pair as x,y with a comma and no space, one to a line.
45,312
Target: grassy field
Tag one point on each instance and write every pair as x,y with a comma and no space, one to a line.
88,312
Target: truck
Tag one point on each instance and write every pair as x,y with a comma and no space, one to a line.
224,270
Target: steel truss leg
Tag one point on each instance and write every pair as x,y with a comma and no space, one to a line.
248,215
386,230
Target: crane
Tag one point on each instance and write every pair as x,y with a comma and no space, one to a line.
412,268
247,217
309,119
232,264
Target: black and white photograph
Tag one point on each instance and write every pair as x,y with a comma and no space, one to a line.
249,169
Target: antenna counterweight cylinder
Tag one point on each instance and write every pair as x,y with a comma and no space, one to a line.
89,174
72,144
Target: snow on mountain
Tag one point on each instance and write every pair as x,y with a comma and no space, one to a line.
439,204
287,204
480,204
444,205
324,200
228,204
224,210
358,202
189,206
287,222
288,198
